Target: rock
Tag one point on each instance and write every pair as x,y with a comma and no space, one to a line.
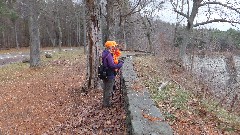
163,86
48,55
26,60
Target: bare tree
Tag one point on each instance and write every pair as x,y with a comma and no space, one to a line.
92,8
84,29
227,12
147,16
110,20
140,11
31,11
116,14
14,20
78,30
148,31
58,22
193,8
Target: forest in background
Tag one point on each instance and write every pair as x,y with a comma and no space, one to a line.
57,23
62,22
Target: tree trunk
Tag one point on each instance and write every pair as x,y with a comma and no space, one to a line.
110,20
69,35
53,40
147,25
4,41
16,35
91,58
149,42
124,47
78,31
34,40
60,34
231,70
187,35
124,10
183,46
93,40
84,29
8,42
26,33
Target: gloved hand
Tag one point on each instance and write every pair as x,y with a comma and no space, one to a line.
120,61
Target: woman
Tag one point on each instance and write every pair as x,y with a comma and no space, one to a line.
107,60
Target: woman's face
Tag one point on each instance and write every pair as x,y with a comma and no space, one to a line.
111,49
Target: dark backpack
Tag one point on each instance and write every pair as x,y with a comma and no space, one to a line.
102,70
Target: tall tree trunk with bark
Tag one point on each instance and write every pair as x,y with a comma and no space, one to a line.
60,34
4,40
16,35
110,20
58,23
148,28
78,30
183,46
34,38
124,44
69,36
187,35
52,39
124,10
84,27
93,42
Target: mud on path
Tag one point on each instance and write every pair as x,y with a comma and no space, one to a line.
48,100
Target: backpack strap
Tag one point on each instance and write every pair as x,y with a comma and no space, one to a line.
104,59
106,56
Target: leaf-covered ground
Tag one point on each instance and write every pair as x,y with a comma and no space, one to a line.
187,112
49,99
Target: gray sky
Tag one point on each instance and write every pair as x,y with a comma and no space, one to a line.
168,15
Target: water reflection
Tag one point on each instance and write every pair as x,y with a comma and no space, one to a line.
214,71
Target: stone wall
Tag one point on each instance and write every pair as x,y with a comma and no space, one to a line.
143,117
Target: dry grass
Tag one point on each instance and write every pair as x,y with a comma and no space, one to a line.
185,111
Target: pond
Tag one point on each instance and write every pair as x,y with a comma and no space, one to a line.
213,71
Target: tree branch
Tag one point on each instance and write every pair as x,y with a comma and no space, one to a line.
221,4
132,10
101,13
214,20
181,13
178,12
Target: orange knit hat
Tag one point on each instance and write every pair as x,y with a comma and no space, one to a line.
109,44
115,43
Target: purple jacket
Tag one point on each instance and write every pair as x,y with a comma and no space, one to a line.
107,60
